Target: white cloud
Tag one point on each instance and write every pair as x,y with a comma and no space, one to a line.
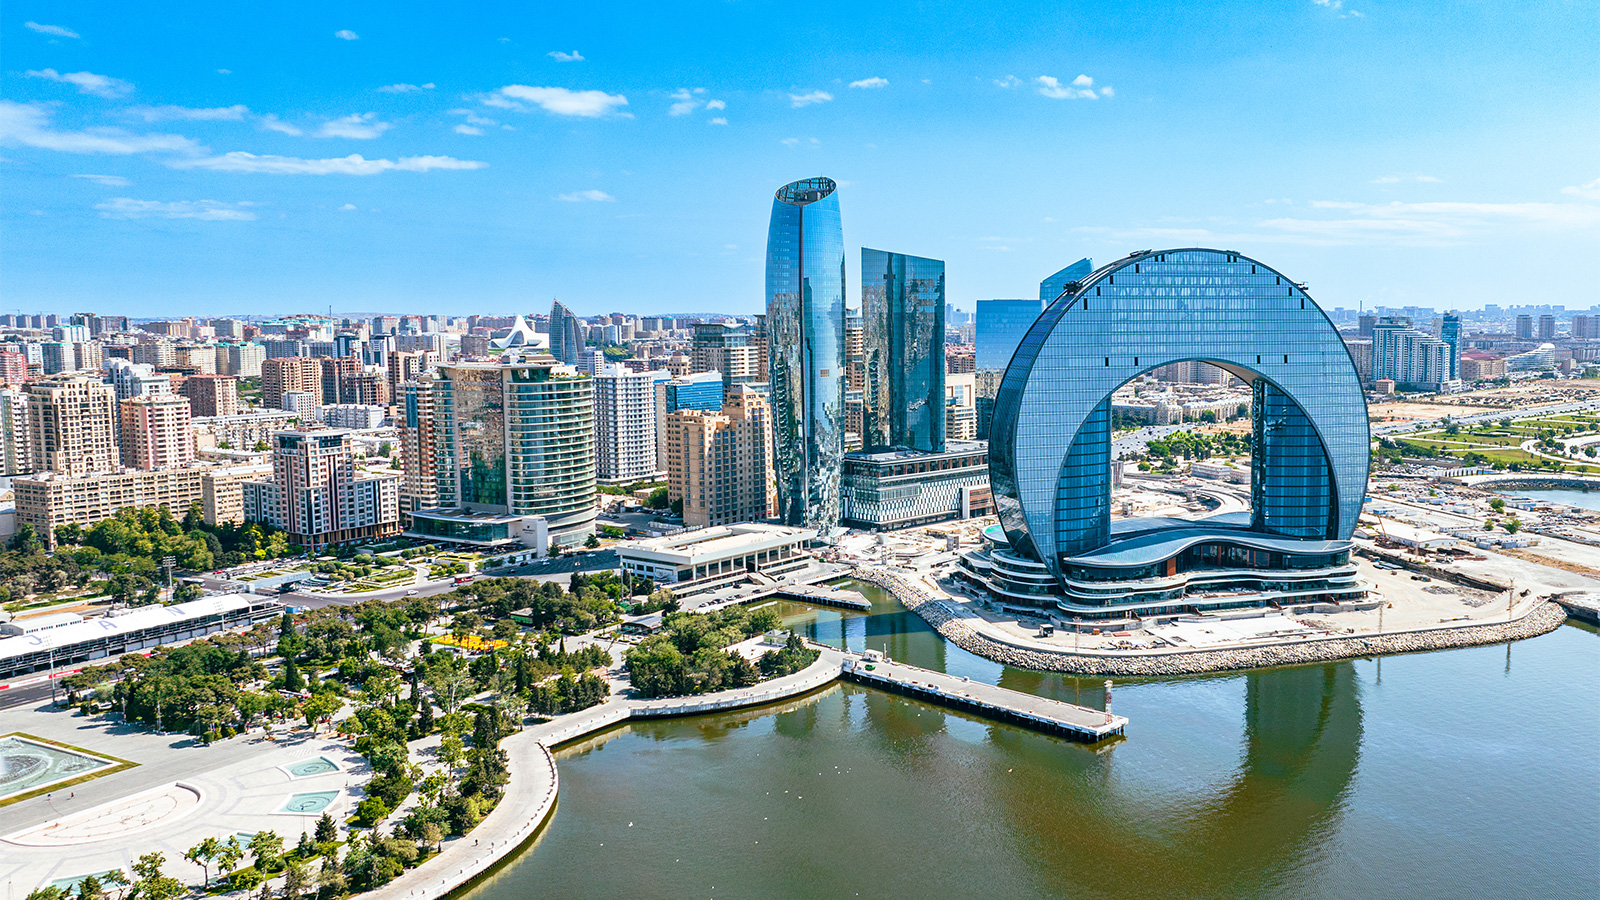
790,142
719,121
685,101
87,82
558,56
224,71
873,82
1008,82
1338,7
345,34
798,100
404,88
29,125
716,104
589,196
354,164
473,118
233,113
107,180
55,30
348,207
1590,191
271,122
468,129
208,210
1082,87
560,101
355,127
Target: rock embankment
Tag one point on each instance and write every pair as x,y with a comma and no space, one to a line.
1544,617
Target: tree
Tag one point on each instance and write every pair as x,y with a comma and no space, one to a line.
1488,524
295,879
291,678
267,848
230,855
203,854
1497,504
320,707
90,889
591,541
658,498
152,883
327,832
1512,526
26,540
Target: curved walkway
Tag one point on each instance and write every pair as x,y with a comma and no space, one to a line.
530,794
972,633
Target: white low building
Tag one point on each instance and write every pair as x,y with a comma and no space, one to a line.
694,561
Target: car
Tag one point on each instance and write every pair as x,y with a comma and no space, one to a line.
411,593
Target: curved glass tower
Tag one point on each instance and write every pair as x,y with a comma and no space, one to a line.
1049,454
805,347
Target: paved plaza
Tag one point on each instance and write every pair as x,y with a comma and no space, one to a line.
178,793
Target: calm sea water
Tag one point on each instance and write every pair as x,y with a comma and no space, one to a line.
1580,499
1471,772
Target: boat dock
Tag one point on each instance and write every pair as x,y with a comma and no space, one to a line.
822,595
1079,723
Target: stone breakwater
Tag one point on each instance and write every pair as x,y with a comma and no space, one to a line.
1544,617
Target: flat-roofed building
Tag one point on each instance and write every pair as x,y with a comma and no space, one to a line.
70,425
48,500
156,432
905,488
705,558
222,491
212,395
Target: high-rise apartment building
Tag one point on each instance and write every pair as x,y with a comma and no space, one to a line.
131,379
337,374
69,425
240,360
1584,328
805,336
16,454
1524,328
156,432
1547,328
566,334
407,366
419,487
725,349
902,315
1410,358
316,494
720,462
281,375
701,391
212,395
625,425
513,442
13,368
1450,333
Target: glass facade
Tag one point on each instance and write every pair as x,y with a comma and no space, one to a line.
1000,327
1151,309
1051,288
566,334
805,340
694,393
902,322
471,408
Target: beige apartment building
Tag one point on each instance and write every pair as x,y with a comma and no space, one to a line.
70,425
156,432
720,463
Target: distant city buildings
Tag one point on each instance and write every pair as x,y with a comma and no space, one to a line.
1412,359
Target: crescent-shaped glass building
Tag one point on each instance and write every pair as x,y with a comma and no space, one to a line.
805,347
1057,545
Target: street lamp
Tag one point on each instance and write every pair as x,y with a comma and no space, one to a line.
167,562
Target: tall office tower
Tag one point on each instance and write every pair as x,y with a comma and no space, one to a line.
1051,288
156,432
419,485
625,425
566,334
13,367
902,316
725,349
1450,333
1524,328
720,462
805,334
699,391
69,425
855,359
1547,328
240,360
317,497
282,375
407,366
16,455
212,395
515,440
337,371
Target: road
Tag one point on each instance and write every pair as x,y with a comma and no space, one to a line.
1428,424
558,569
1129,443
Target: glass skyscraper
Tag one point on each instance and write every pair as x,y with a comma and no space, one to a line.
999,329
805,341
1051,288
902,318
566,334
1049,455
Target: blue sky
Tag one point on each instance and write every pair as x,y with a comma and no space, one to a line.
168,159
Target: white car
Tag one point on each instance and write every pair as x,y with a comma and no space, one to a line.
411,593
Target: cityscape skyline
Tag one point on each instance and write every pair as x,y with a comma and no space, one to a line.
319,169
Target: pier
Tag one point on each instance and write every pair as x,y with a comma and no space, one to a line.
1001,704
822,595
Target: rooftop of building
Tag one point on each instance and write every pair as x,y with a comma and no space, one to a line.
903,454
719,541
132,621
